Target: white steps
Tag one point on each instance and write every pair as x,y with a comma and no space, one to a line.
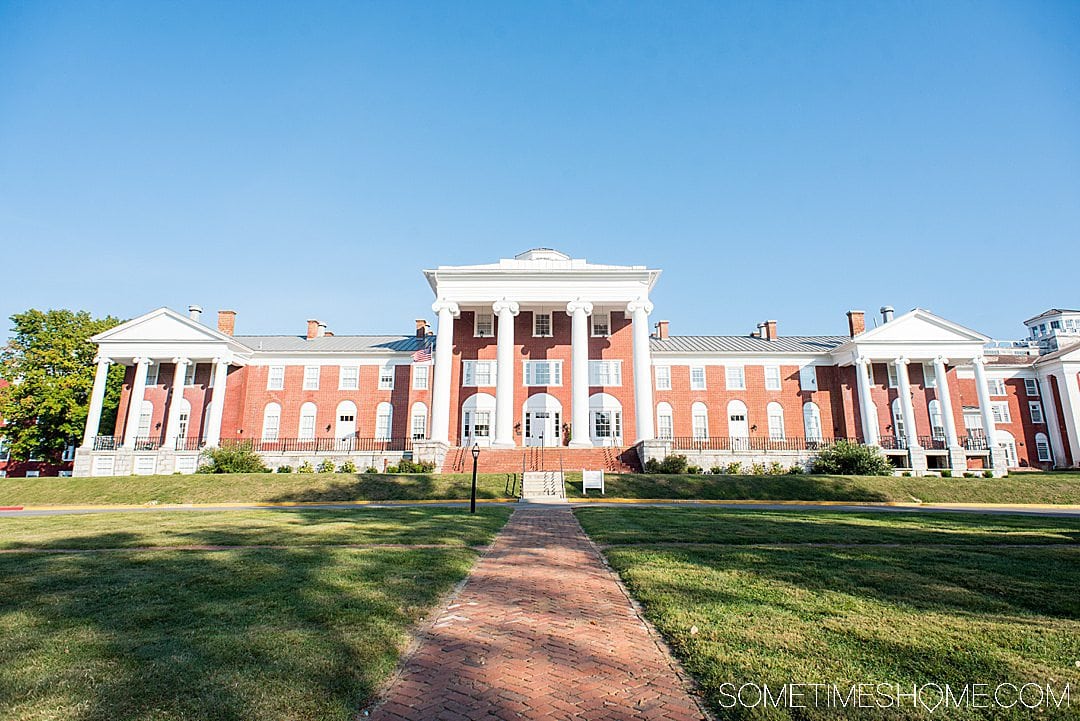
543,487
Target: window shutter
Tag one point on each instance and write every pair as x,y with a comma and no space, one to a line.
808,378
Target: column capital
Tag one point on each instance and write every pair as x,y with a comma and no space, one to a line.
506,305
902,361
941,360
220,361
141,361
579,305
640,304
978,360
103,361
863,361
181,361
443,304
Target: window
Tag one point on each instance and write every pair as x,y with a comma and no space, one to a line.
894,380
420,377
997,386
937,420
776,421
929,376
272,422
477,424
700,416
189,374
870,373
972,419
663,378
275,379
307,422
1031,386
808,378
1055,325
1000,411
386,378
1042,329
898,420
543,373
772,378
484,324
475,373
1035,409
311,378
605,373
665,426
812,421
735,378
146,415
5,452
697,378
1042,448
183,420
541,325
349,378
607,424
152,374
69,454
418,425
383,416
601,325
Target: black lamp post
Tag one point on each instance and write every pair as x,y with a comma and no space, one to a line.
475,456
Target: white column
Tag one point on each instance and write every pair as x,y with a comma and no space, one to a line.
440,385
176,393
866,404
1053,426
983,391
1069,389
505,311
945,398
643,404
217,402
97,400
579,311
904,391
138,393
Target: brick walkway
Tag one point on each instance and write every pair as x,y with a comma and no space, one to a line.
541,630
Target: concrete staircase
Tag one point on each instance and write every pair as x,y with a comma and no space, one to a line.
543,487
517,460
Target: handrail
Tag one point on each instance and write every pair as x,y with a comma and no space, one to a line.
752,443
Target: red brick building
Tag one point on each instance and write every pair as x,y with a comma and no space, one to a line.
543,350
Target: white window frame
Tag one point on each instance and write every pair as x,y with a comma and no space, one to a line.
189,374
421,376
735,378
153,370
600,324
1031,386
484,324
471,373
418,422
697,384
607,373
773,378
529,368
929,375
699,421
550,324
665,421
999,410
303,433
808,378
1042,442
1035,410
311,377
349,378
384,421
663,378
386,377
997,387
606,424
812,429
774,414
275,378
894,376
268,426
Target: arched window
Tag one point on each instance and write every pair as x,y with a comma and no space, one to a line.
665,421
605,420
307,422
937,420
898,421
345,425
271,426
418,423
184,419
384,416
146,416
699,414
477,419
1042,448
1006,442
812,421
776,421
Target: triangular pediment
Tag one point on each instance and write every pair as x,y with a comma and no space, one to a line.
920,326
162,324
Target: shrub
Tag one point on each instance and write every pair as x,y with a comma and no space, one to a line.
347,467
305,467
674,464
795,470
852,459
775,469
284,469
988,473
946,473
906,474
694,470
716,470
407,466
371,469
757,469
734,468
968,474
232,459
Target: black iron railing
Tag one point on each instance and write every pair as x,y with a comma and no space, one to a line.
976,441
322,445
893,443
933,443
189,444
106,443
752,443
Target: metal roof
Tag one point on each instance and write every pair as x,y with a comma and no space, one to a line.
746,344
333,343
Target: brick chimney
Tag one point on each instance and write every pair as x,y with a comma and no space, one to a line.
856,322
661,329
226,321
770,330
312,329
421,328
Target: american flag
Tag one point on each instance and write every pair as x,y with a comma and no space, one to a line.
424,354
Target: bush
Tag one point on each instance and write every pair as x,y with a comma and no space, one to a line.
407,466
232,459
673,464
968,474
946,473
284,469
347,467
716,470
371,469
694,470
734,468
327,466
795,470
852,459
757,469
906,474
305,467
775,469
988,473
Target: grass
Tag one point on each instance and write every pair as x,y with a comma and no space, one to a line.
303,632
972,599
1028,487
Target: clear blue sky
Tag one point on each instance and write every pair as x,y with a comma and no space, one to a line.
296,160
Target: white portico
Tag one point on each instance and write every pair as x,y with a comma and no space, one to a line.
541,282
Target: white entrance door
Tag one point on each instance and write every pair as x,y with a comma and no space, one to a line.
345,428
738,426
1006,442
542,428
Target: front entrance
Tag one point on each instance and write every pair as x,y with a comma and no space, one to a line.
542,428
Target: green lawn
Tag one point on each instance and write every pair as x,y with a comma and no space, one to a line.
304,632
972,599
1029,487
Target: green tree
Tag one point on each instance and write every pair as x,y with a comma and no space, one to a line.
49,366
